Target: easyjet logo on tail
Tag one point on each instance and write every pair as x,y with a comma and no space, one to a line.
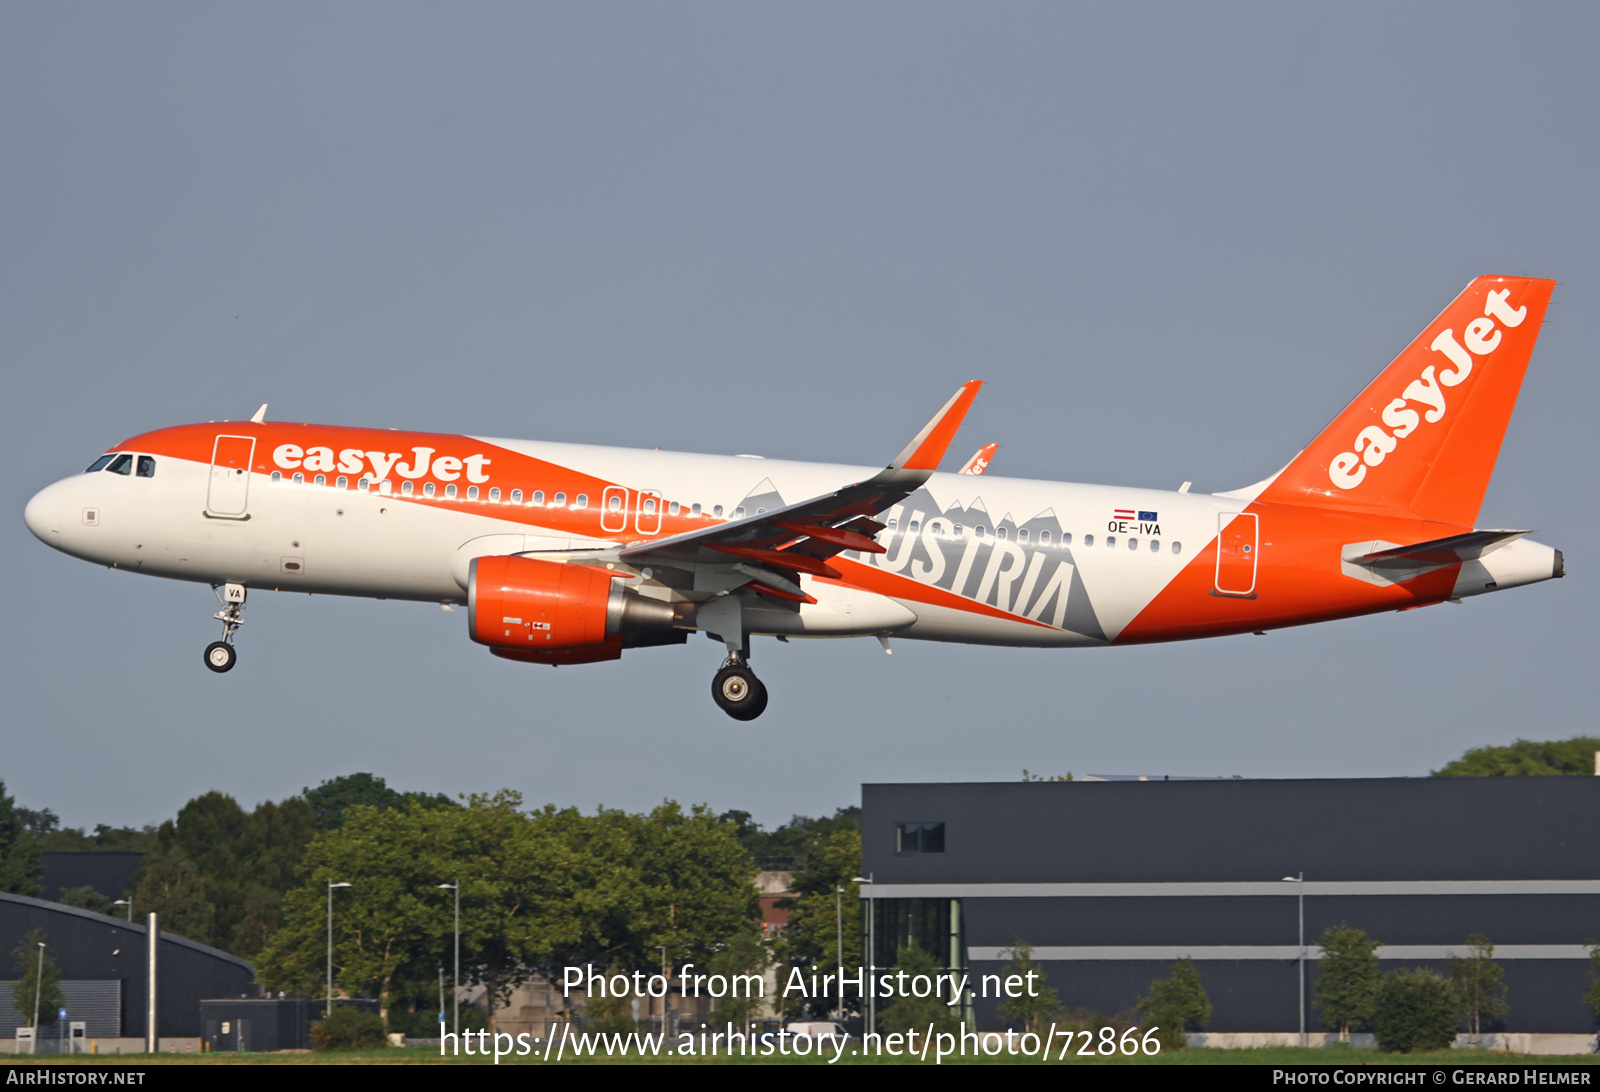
1372,444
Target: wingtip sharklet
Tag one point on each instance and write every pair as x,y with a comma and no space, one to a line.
928,447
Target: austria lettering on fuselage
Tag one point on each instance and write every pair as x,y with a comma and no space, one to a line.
421,463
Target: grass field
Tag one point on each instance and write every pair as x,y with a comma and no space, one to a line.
1281,1056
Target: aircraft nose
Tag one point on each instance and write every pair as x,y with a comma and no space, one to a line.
43,515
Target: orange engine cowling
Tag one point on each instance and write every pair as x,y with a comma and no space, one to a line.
557,613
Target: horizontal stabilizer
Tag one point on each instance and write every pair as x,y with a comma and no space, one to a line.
1439,551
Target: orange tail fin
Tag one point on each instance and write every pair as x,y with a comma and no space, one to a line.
1424,436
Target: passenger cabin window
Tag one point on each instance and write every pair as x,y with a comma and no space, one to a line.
147,466
364,484
1088,540
450,491
299,479
1000,532
1155,545
717,511
277,476
1133,544
1044,538
559,502
472,492
405,489
322,479
582,501
494,493
694,509
99,464
343,482
516,496
1177,548
1066,538
121,464
673,508
979,531
919,837
538,496
738,513
1111,542
1022,534
427,489
385,487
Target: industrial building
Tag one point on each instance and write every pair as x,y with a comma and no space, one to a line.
1112,881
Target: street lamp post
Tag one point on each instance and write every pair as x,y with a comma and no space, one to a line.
455,980
1299,880
128,903
872,952
327,1008
838,917
38,988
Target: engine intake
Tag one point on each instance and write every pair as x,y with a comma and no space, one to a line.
555,612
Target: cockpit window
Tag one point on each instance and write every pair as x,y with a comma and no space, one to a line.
121,464
99,464
147,466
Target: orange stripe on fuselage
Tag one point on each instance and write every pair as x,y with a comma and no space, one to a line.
503,469
1299,577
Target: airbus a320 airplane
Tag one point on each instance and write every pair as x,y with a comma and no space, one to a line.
566,554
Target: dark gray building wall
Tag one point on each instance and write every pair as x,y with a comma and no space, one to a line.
111,874
1011,837
93,946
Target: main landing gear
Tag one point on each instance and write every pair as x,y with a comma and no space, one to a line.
737,691
220,655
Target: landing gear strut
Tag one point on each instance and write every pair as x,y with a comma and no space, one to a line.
220,655
737,691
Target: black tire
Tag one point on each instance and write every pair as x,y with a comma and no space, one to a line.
738,693
220,656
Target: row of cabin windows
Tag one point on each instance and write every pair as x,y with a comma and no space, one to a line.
124,463
614,503
1045,538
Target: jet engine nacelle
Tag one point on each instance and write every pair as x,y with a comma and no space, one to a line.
558,613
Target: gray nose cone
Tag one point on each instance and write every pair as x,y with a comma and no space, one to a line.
41,515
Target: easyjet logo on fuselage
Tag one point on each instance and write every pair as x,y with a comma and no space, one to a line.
1372,444
422,462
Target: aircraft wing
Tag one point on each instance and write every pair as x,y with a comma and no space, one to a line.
771,549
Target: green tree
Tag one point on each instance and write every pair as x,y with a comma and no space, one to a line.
1347,978
85,898
20,869
608,1013
38,981
1478,981
1032,1008
907,1012
1176,1004
1526,758
745,954
811,939
1416,1010
329,800
348,1028
171,886
1591,996
380,921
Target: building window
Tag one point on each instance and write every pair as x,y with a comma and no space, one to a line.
919,838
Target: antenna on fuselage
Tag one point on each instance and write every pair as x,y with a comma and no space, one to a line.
260,415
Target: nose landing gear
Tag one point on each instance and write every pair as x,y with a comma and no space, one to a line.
737,691
220,655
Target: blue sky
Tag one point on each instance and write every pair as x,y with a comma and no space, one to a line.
1174,239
